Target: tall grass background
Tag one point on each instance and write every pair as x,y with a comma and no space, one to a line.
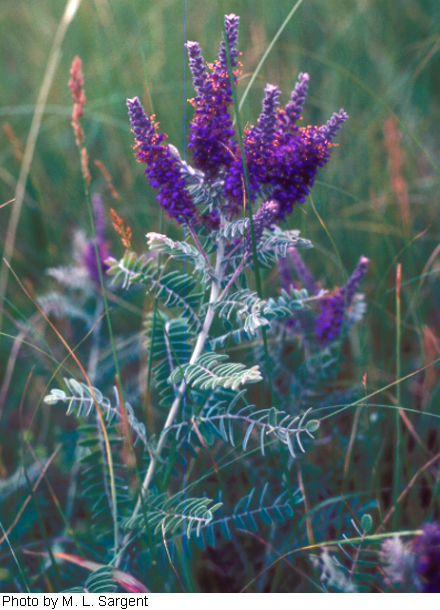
378,197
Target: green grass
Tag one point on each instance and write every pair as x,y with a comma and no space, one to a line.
376,60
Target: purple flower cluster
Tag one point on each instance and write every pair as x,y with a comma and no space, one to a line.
297,100
211,130
280,156
256,140
263,219
427,551
328,324
163,170
90,262
267,121
303,273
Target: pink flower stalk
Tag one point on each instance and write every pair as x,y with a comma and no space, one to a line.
76,85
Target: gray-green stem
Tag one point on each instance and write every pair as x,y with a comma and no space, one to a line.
198,349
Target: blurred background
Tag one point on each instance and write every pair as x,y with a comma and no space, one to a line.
377,197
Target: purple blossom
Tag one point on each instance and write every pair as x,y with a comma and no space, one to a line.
329,131
263,219
328,324
281,159
302,271
427,551
286,166
211,130
231,26
256,141
295,106
90,258
163,170
211,220
198,70
356,278
267,120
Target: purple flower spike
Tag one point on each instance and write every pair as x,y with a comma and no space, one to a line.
257,143
329,131
211,130
297,100
231,27
263,219
163,170
302,272
356,278
328,324
267,120
427,550
143,127
198,69
90,258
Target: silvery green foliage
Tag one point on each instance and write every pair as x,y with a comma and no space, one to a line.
75,292
275,243
253,312
266,425
353,568
212,370
191,288
256,509
172,288
83,400
334,575
170,342
251,510
130,269
167,514
61,306
179,251
234,229
249,313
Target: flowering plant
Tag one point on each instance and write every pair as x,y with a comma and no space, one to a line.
232,202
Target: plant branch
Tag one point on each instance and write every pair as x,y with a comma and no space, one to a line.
199,246
198,349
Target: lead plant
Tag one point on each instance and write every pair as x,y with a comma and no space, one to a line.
233,221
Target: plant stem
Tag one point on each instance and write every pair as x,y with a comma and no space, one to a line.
199,246
198,349
233,278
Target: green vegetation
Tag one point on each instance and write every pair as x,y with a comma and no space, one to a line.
377,450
